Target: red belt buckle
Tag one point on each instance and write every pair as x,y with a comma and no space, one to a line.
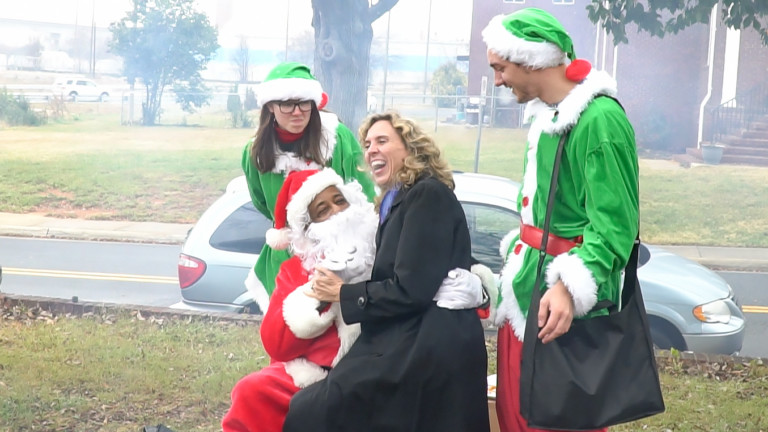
556,245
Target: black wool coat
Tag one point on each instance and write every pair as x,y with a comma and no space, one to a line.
415,367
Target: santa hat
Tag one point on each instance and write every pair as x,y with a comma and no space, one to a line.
291,206
534,38
291,80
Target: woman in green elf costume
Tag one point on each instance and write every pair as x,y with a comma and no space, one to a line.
293,135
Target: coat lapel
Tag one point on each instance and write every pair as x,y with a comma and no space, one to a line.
395,203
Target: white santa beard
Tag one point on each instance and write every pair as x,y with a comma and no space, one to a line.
354,227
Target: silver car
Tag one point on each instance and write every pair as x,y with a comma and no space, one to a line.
689,306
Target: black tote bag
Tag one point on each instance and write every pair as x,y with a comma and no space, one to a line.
602,371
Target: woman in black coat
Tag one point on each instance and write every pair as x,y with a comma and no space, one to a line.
415,366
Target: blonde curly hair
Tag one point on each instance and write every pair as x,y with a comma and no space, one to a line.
423,153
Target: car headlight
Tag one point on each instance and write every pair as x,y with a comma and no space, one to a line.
713,312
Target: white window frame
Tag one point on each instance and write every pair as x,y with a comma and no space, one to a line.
563,2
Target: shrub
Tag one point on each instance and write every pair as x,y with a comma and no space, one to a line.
18,112
444,82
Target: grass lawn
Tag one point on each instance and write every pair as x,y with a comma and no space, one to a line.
116,371
91,167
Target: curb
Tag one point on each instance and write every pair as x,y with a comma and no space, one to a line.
74,307
92,235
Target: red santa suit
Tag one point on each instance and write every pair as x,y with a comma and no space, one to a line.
302,342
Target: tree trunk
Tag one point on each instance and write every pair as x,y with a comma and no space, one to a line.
343,36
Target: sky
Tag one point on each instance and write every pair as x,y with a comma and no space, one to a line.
266,23
259,18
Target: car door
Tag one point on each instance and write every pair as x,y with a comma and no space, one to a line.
488,224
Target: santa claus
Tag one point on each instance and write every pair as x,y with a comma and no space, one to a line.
331,224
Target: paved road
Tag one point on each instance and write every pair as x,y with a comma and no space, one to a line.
145,274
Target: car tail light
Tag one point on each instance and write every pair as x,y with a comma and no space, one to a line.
191,269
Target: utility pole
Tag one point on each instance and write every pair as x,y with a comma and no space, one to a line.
77,42
386,65
426,55
93,40
287,21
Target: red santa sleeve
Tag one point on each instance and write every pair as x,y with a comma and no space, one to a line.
292,325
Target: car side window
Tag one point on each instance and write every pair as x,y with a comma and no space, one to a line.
242,231
487,227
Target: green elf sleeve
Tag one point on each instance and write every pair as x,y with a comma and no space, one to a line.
263,189
606,162
347,160
253,179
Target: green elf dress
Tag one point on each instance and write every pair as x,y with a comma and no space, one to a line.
597,199
342,153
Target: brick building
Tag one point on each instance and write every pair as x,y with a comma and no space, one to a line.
664,84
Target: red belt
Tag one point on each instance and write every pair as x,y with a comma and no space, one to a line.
533,236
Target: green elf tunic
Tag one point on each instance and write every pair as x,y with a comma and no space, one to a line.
597,198
343,153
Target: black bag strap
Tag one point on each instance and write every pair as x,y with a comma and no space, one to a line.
630,271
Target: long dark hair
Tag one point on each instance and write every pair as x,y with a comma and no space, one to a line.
308,146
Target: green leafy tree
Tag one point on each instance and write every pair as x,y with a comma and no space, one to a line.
343,36
660,17
444,82
162,43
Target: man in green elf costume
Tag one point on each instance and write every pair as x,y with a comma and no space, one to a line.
594,220
294,134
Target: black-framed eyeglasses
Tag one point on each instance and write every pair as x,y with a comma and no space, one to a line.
287,107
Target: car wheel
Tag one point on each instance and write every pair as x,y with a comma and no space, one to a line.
665,335
252,309
104,97
73,96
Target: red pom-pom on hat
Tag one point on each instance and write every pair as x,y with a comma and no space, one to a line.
578,70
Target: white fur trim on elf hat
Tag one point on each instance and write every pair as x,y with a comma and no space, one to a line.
297,208
290,88
537,55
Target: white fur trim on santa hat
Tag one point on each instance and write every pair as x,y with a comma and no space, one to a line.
577,278
297,208
301,315
278,239
536,55
290,88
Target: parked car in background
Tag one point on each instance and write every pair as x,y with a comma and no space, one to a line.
80,89
689,306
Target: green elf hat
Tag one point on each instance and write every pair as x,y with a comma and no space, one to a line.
534,38
291,80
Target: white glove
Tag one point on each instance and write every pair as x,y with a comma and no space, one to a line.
461,289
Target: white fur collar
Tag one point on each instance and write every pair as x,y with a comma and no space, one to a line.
287,162
570,109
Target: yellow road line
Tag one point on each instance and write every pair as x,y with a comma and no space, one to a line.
90,275
754,309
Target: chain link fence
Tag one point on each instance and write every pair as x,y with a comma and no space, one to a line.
228,109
